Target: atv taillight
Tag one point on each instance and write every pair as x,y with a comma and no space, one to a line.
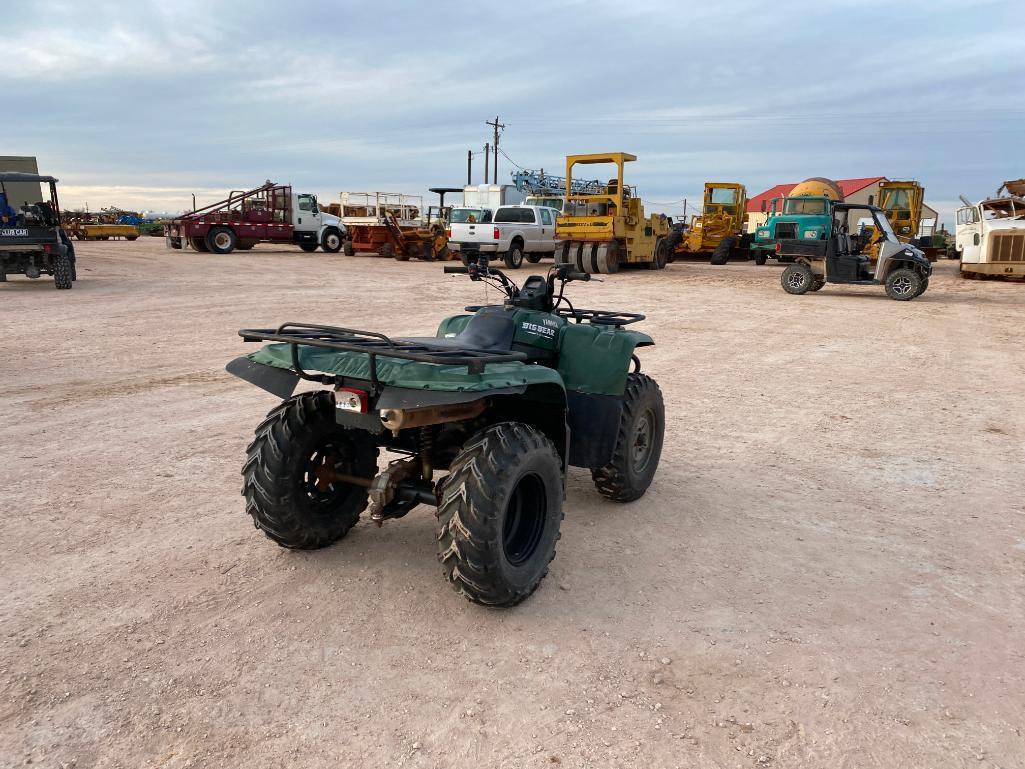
497,234
348,399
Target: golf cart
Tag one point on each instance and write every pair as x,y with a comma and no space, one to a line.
844,258
32,240
502,399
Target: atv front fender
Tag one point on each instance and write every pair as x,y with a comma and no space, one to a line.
595,359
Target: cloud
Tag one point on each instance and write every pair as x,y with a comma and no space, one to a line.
152,101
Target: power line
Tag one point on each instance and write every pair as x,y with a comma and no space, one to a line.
506,156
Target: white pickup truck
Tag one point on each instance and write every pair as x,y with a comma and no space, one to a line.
513,232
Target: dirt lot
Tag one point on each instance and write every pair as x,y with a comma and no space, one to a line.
827,572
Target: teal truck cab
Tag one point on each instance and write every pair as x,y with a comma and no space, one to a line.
792,218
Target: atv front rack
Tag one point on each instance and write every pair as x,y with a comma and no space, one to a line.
372,344
600,317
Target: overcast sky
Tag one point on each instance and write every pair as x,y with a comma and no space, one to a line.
141,104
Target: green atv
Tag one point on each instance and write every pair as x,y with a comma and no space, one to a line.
502,400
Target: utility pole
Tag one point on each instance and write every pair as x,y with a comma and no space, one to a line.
495,125
469,167
487,151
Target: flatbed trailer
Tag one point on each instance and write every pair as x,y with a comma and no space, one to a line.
86,231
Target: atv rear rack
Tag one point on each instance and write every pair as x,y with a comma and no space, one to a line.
372,344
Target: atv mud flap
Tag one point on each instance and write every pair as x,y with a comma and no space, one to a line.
277,381
593,427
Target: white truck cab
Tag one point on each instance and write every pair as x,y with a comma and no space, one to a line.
990,237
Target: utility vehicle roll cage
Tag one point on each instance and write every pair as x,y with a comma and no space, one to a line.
18,177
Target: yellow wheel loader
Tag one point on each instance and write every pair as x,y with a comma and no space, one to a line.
719,229
603,229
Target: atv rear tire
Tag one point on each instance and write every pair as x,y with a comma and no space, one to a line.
818,285
500,514
221,240
287,485
309,248
797,278
923,287
62,271
638,442
903,285
722,252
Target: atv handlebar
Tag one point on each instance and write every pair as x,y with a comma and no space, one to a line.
578,276
454,269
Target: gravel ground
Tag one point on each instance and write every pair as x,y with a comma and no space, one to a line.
826,572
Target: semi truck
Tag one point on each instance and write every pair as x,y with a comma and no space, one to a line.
272,213
990,235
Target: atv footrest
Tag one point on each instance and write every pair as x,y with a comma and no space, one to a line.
373,344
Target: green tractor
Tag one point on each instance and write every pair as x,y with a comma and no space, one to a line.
484,418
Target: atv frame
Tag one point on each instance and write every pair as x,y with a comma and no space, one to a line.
504,399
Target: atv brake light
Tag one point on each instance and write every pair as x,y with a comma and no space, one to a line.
497,234
348,399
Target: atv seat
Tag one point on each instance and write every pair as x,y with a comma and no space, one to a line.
485,331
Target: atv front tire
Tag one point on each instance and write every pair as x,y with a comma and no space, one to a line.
797,278
638,442
500,514
288,483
